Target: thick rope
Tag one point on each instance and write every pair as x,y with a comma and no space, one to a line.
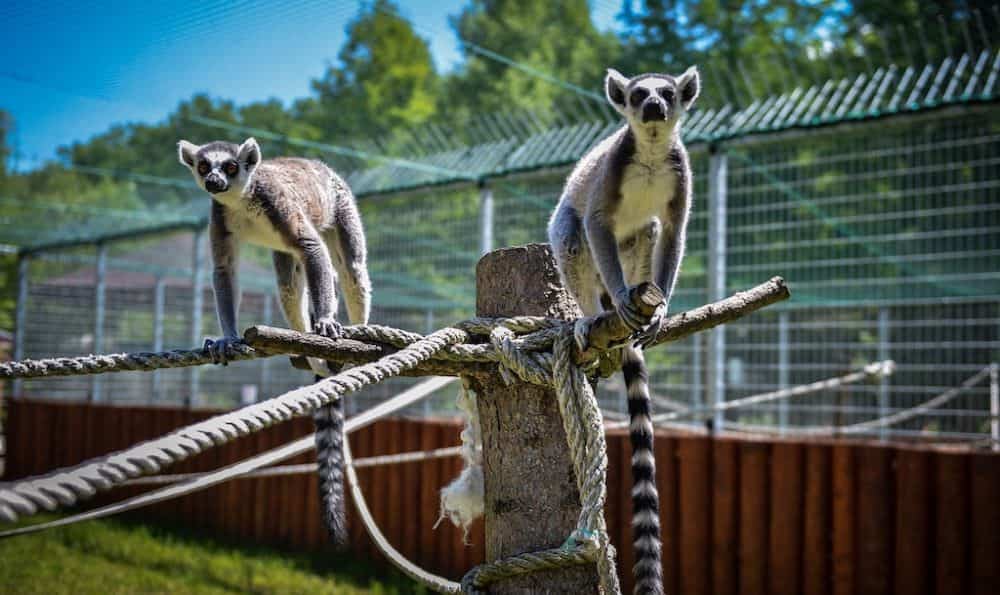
306,468
540,334
871,371
430,580
524,357
68,486
583,425
119,362
203,481
924,408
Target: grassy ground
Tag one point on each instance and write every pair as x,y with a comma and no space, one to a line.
119,557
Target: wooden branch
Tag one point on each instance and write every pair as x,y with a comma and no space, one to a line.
607,329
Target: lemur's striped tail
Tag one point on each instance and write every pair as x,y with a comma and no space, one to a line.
329,421
645,500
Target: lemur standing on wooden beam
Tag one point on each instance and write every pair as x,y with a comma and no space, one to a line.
621,220
307,215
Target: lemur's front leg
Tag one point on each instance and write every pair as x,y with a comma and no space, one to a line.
225,283
604,247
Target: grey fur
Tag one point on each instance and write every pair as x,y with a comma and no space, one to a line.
307,215
622,220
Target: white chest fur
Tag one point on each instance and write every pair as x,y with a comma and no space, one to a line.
646,192
253,227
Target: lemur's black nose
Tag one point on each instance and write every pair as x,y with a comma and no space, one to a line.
214,184
653,110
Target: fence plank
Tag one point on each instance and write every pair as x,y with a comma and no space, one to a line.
614,504
430,484
725,517
753,518
985,503
16,433
844,516
785,536
409,481
395,512
695,466
816,540
875,520
914,510
952,514
623,512
665,447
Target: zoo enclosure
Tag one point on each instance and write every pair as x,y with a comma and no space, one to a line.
876,196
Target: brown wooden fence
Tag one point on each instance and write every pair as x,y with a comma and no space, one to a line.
739,516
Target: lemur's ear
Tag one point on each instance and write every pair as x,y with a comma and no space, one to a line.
614,88
689,85
186,152
249,153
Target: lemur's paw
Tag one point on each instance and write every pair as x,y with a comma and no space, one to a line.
646,336
328,327
629,313
220,349
581,332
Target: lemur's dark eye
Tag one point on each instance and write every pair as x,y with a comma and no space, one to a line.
203,167
638,96
667,94
232,169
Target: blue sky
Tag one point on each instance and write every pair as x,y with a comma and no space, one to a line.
72,69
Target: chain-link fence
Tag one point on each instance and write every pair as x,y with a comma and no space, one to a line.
888,233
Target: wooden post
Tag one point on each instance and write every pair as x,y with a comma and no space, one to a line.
531,498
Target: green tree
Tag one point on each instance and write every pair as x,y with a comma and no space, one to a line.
556,38
385,80
6,124
910,31
746,48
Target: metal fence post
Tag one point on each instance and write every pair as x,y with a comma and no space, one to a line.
783,370
21,317
717,279
697,398
159,300
995,405
883,354
485,218
197,289
265,363
97,381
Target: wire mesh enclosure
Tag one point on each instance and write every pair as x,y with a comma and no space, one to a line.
887,230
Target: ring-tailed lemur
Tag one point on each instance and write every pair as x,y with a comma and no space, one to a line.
620,221
307,215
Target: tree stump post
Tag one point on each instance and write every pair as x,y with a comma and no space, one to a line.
531,500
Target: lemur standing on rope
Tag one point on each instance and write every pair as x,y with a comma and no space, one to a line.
307,215
620,221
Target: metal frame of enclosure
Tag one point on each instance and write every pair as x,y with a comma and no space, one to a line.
876,196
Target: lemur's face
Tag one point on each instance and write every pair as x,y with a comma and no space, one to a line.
221,168
652,100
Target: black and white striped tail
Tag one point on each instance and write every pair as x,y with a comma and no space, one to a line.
645,500
329,421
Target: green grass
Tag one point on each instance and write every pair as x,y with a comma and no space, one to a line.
119,557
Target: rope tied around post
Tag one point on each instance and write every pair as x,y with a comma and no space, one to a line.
535,349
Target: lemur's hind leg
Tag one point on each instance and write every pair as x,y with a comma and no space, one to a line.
576,268
292,291
294,299
329,419
346,241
